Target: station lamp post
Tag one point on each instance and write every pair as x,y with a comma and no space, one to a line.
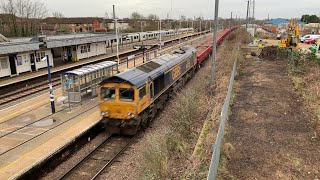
141,25
160,33
117,39
53,109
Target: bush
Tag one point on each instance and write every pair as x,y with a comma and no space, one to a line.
184,113
155,156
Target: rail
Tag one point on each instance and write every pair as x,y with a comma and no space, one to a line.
213,170
101,163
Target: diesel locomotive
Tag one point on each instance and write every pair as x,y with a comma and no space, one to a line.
129,100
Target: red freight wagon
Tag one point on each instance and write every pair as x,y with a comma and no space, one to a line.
205,50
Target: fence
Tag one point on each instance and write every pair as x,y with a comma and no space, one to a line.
213,170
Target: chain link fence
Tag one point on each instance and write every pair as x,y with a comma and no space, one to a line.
213,170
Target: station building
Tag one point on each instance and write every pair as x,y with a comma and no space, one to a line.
26,54
23,56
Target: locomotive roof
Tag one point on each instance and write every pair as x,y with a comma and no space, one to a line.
139,75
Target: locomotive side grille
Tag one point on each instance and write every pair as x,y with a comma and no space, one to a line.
148,67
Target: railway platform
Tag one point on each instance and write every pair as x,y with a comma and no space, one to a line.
32,75
30,134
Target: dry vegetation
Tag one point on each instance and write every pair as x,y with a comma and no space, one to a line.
307,84
305,74
183,149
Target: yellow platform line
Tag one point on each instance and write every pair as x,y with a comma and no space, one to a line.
3,118
25,155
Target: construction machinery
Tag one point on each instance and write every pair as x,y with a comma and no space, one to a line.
292,39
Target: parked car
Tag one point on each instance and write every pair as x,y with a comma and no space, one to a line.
309,36
310,41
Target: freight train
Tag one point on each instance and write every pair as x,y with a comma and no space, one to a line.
131,99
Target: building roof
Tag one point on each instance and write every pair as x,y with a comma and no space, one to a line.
279,21
139,75
73,20
76,39
15,47
90,68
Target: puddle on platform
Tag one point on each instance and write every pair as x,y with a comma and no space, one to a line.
44,123
25,118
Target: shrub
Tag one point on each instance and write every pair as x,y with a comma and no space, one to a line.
184,113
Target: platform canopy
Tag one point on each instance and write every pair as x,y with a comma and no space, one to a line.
90,68
77,39
15,47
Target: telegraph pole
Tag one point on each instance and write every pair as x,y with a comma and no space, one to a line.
141,25
214,51
253,11
116,21
231,21
114,17
247,15
160,32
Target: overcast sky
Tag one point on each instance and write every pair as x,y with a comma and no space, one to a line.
189,8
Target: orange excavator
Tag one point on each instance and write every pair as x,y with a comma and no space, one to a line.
292,39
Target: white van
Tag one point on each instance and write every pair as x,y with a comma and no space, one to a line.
309,36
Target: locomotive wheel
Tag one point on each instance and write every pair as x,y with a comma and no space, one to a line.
112,130
129,131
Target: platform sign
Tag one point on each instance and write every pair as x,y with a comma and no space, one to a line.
148,56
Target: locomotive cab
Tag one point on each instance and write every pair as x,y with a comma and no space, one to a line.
120,104
118,101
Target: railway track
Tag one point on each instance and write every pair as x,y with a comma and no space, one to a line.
40,86
28,90
91,166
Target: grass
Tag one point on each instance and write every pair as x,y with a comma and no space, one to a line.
166,145
174,152
226,152
295,161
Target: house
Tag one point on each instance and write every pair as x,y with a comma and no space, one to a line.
77,24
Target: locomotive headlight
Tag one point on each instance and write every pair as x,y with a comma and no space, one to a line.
104,113
131,115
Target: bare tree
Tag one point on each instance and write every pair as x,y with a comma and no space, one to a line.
183,18
21,12
153,17
136,15
57,14
106,15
